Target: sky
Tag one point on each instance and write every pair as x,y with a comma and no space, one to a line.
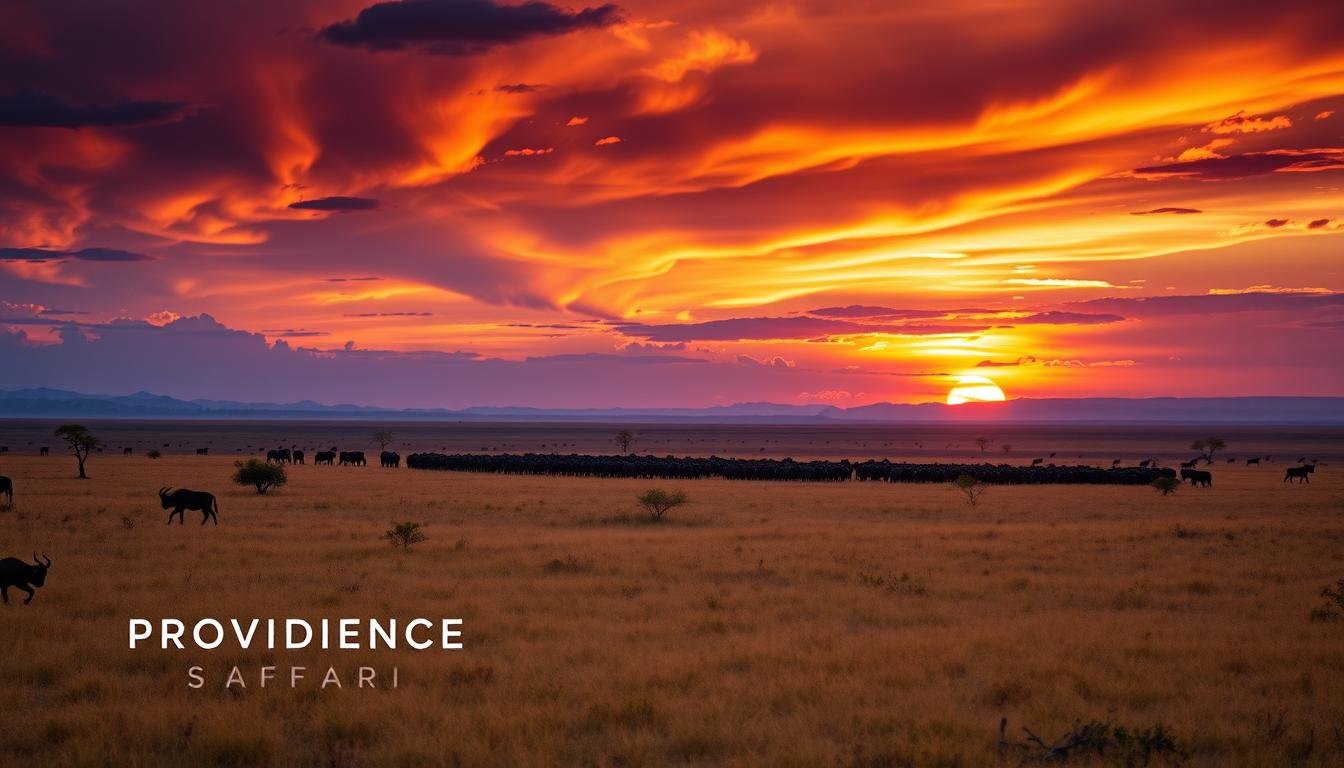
447,203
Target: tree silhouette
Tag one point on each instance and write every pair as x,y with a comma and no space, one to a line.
624,439
983,442
81,441
382,439
1208,446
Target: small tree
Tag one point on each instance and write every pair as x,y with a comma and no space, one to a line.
1208,446
971,487
259,474
153,453
404,534
657,502
1007,448
983,442
383,439
1166,485
624,439
81,442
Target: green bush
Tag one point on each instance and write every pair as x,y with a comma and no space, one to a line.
259,474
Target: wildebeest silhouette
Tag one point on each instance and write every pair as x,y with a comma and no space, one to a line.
1301,459
390,458
1037,462
1301,474
16,573
324,457
1189,464
352,457
202,451
127,451
280,456
1198,477
7,488
43,451
296,457
1255,461
182,499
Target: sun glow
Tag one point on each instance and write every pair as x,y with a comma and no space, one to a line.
974,389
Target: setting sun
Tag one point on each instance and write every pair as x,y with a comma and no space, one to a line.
974,389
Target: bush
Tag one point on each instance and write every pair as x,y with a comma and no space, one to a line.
1166,485
971,487
404,534
657,502
1334,603
260,474
153,453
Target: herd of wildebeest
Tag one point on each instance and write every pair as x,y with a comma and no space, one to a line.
26,576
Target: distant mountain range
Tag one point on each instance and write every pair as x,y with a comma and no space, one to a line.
60,404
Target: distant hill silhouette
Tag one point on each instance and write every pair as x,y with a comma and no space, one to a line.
57,403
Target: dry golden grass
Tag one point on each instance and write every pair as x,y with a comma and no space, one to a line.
763,624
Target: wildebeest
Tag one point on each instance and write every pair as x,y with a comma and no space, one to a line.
1249,462
1301,474
390,458
16,573
1198,477
296,457
280,456
1189,464
352,457
127,451
7,488
183,499
324,457
43,451
202,451
1037,462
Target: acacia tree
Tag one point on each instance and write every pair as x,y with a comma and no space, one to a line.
81,442
1007,448
382,439
983,442
624,439
971,487
1208,446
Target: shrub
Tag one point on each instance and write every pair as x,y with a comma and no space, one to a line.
971,488
153,453
1334,603
657,502
1166,485
262,475
404,534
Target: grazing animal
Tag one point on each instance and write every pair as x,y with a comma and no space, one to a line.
127,451
352,457
202,451
183,499
324,457
390,458
16,573
44,451
1302,474
280,456
7,488
1232,461
1115,463
1255,461
1301,459
297,457
1198,477
1189,464
1037,462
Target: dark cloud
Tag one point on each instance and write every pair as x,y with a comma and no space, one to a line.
519,87
1318,223
84,254
767,328
351,279
858,311
61,312
389,314
1276,223
1056,317
336,203
1214,303
461,27
1248,164
1165,210
34,109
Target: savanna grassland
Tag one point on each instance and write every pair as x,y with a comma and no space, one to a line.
773,624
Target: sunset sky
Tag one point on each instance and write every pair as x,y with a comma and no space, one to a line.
678,203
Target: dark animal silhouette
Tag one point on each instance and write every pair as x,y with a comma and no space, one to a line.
44,451
16,573
127,451
7,488
280,456
352,457
182,499
1249,462
1301,459
202,451
1231,461
390,458
1037,462
1189,464
1115,463
1198,477
297,457
1301,474
324,457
